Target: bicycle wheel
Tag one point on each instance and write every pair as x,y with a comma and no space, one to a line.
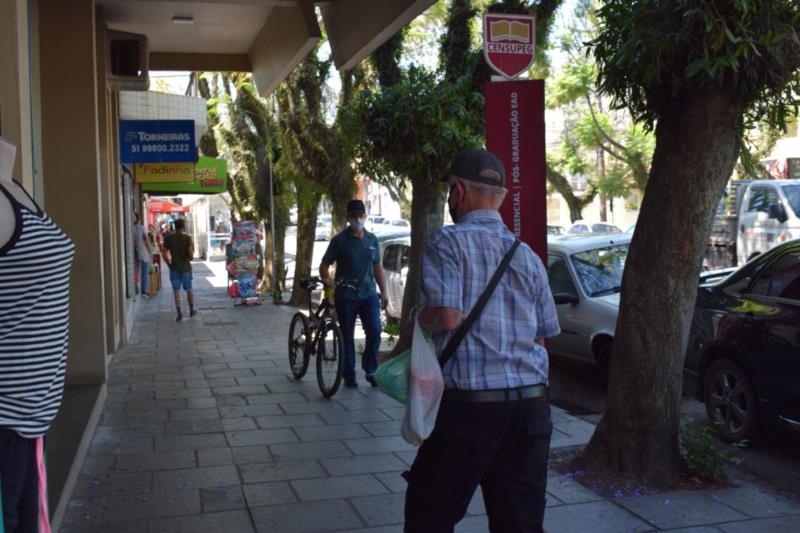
298,345
330,358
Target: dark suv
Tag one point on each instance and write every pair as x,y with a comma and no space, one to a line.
743,357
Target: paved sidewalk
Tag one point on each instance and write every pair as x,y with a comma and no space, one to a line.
205,431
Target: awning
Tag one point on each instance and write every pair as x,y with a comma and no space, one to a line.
163,206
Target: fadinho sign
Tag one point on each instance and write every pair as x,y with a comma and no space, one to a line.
157,141
508,43
210,177
164,172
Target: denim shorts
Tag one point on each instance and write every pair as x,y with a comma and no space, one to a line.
180,279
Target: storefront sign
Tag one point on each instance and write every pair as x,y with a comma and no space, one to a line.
157,141
164,172
508,43
515,133
210,177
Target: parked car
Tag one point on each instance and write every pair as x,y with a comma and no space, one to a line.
555,230
394,255
375,223
324,228
585,273
754,216
581,226
743,354
398,224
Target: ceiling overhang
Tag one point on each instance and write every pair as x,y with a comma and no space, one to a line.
266,37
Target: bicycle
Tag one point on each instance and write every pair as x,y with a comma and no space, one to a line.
318,334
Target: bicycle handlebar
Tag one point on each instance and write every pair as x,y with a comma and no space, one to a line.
313,282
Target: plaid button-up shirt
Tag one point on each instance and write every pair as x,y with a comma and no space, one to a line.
499,351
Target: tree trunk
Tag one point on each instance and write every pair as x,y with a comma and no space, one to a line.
697,143
306,232
427,216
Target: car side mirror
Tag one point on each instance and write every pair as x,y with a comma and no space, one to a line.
565,298
778,212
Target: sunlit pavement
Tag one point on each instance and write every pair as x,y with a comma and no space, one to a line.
204,430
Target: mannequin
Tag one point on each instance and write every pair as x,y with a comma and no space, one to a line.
8,219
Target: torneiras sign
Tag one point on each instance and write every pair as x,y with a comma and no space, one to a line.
515,133
508,43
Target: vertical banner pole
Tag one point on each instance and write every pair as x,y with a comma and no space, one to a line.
515,132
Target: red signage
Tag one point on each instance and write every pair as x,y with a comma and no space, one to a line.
515,133
508,43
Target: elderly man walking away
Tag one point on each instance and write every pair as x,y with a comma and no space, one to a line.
494,426
358,266
179,253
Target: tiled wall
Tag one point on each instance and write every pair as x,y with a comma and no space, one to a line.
147,105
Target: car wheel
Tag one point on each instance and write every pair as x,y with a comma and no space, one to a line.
730,401
603,358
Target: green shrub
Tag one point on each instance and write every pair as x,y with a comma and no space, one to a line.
703,457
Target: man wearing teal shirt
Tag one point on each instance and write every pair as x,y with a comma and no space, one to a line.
358,266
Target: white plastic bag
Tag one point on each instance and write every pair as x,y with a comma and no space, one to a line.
424,390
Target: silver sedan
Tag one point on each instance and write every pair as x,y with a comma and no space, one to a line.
585,273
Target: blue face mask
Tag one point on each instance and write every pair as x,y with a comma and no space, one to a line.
357,223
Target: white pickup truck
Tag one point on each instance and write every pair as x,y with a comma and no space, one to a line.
761,214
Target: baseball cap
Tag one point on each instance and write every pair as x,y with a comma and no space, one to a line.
480,166
356,206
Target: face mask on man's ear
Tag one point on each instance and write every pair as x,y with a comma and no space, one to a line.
357,223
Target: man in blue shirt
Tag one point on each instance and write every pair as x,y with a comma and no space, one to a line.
493,427
358,266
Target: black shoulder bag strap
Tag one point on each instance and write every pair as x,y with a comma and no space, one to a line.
473,315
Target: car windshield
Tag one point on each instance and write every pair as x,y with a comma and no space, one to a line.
600,270
792,193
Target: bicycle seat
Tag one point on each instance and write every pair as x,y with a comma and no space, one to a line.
311,283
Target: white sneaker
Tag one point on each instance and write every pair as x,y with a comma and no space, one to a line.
146,296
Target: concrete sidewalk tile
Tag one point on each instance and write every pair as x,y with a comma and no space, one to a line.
194,414
250,410
222,499
309,450
699,529
230,401
262,379
215,456
679,509
473,524
284,421
597,517
141,462
190,442
407,457
195,478
260,436
106,445
381,510
380,529
239,390
105,483
122,419
382,429
372,445
330,488
296,408
569,491
394,481
339,431
239,424
476,504
202,403
293,386
125,508
350,417
275,397
224,522
362,464
281,471
755,502
191,427
376,402
784,524
271,493
243,455
395,413
198,392
306,517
